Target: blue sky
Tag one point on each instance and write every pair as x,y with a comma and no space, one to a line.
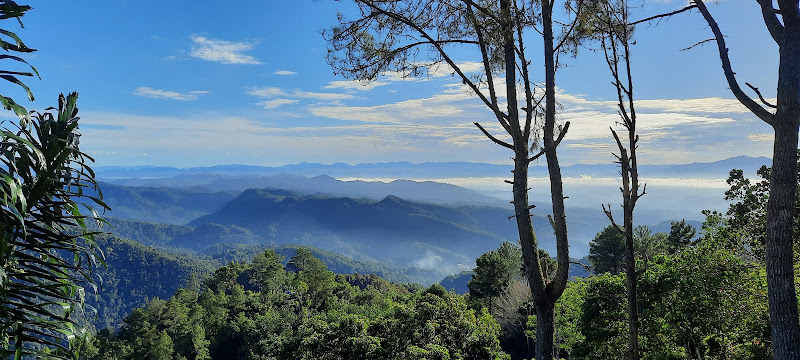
197,83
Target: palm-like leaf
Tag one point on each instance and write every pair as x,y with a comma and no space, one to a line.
46,250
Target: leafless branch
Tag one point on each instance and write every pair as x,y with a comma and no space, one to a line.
659,16
697,44
770,16
749,103
438,46
607,211
496,140
558,141
759,96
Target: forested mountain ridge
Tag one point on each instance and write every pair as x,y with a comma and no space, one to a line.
136,273
393,230
161,204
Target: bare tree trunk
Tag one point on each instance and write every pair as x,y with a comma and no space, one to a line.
783,192
631,276
779,240
785,121
544,331
615,41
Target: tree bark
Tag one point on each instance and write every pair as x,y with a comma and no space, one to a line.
781,291
544,331
780,206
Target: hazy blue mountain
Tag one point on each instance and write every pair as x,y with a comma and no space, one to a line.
389,169
162,204
423,191
146,233
458,282
210,234
400,232
431,170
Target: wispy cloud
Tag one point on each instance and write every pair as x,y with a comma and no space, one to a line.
355,85
266,92
271,91
222,51
284,72
165,94
275,103
761,137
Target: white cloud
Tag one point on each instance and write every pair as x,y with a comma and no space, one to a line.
266,92
762,137
226,52
284,72
275,103
165,94
466,67
355,85
320,95
413,111
269,92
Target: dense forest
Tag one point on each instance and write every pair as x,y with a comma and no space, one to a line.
701,295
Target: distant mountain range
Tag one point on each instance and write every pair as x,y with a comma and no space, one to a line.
423,191
390,229
428,170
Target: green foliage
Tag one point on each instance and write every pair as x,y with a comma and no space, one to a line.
362,317
680,235
46,250
603,319
607,251
746,219
493,271
648,245
702,301
11,42
268,273
138,273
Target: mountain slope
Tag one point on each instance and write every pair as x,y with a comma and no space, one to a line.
160,204
393,230
137,273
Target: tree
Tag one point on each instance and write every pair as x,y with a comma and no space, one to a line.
411,37
680,234
313,273
649,245
607,251
783,24
493,272
268,272
615,34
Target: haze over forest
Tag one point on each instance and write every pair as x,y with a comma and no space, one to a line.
277,182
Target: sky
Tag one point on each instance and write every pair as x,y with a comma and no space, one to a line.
200,83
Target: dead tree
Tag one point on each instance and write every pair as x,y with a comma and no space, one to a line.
413,36
615,36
